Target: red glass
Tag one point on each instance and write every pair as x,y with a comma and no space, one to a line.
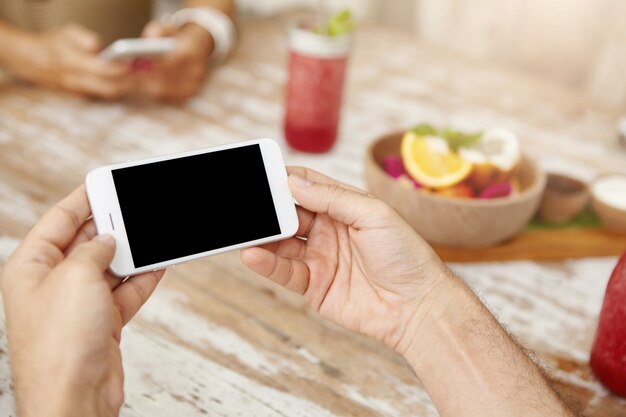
316,74
608,356
313,103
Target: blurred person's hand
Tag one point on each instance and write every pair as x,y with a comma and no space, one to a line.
180,74
67,59
65,313
354,259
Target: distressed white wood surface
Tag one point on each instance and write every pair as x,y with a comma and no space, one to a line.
216,340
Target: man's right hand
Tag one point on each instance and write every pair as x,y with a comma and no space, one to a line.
356,261
66,59
360,265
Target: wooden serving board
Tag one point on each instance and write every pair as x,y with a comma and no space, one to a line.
543,245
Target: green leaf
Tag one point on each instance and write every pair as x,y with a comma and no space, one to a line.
339,24
458,140
425,129
587,219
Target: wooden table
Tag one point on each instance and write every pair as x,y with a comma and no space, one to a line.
217,340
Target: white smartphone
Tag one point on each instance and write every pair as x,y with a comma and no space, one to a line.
127,49
176,208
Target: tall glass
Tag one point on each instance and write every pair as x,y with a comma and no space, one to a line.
316,74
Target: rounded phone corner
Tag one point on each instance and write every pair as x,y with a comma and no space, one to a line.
117,272
293,227
91,176
270,143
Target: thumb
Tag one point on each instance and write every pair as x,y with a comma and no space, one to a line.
97,253
153,29
83,37
342,204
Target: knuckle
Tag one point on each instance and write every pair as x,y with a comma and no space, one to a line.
381,206
75,270
71,217
335,190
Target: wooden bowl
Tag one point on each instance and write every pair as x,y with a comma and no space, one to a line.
449,221
563,199
613,218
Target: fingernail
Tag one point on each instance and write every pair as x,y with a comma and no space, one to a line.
106,239
299,181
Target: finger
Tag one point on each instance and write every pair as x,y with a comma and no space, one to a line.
43,247
315,176
81,63
134,292
153,29
306,220
291,274
187,57
91,259
113,281
342,204
157,29
292,248
58,227
85,234
83,38
99,87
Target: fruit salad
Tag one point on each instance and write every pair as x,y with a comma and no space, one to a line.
482,165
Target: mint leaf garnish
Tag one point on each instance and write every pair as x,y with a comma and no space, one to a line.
454,138
458,140
339,24
424,130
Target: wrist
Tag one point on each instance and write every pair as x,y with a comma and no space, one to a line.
15,45
219,26
199,36
59,400
42,391
442,305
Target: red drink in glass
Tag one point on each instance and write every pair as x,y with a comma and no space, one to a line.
317,67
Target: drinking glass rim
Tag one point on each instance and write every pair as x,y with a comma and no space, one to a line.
304,40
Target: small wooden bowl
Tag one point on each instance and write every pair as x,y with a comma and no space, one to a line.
563,199
613,218
454,222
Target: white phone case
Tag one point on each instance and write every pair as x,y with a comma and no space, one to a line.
138,48
108,217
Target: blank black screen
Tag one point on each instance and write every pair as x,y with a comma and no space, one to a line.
195,204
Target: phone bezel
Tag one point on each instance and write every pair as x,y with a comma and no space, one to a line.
107,215
131,48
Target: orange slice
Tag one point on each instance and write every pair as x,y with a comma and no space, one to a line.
431,162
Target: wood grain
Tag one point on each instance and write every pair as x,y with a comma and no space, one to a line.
216,340
543,245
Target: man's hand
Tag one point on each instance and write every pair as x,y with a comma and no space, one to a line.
65,315
363,267
67,59
354,259
180,74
